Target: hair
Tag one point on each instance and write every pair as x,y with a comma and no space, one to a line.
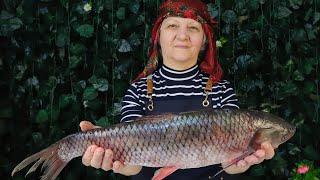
194,9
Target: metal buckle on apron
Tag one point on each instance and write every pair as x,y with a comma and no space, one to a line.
207,89
149,92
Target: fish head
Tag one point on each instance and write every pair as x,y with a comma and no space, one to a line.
272,129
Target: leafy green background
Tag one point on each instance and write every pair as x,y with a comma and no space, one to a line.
60,64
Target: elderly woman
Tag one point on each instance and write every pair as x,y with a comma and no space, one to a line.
176,79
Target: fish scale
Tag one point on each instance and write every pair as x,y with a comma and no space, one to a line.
184,140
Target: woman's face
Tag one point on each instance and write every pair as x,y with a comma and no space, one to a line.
180,40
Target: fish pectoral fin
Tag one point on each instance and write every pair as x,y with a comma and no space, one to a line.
164,172
254,144
235,160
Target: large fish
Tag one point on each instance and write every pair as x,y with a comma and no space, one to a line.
183,140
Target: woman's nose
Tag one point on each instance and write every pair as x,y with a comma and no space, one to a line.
182,33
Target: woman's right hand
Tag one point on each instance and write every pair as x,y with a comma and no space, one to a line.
98,157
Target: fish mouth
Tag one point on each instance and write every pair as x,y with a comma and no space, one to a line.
291,132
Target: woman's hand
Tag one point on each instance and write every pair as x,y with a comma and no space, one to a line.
266,152
98,157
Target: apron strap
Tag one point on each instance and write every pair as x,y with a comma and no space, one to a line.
205,102
150,92
207,89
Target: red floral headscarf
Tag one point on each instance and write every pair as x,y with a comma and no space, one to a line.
193,9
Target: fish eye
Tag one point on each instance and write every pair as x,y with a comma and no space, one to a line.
292,128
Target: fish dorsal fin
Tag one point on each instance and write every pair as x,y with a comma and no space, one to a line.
192,112
155,118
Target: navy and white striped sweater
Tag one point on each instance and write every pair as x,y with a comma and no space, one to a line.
169,84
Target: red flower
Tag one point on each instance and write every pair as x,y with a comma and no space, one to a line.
303,169
188,13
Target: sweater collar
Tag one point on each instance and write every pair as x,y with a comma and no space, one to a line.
178,75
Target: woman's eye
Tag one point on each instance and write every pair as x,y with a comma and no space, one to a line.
194,28
172,26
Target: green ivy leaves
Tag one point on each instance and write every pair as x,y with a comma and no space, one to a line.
229,16
282,12
121,13
85,30
62,62
42,116
90,93
8,23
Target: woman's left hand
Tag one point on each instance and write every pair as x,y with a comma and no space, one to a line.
266,152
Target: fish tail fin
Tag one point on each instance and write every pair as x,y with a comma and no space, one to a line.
52,162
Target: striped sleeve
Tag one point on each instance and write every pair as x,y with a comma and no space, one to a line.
229,98
131,106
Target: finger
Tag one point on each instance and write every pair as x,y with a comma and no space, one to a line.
260,153
242,163
87,156
252,159
107,160
129,169
117,167
239,167
267,147
86,125
97,157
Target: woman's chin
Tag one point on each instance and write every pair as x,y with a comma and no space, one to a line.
182,57
183,62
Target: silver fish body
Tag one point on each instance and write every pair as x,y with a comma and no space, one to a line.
185,140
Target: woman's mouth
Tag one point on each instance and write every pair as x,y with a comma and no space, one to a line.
181,47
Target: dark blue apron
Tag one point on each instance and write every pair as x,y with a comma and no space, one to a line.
205,173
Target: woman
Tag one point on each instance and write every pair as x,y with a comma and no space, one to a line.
180,82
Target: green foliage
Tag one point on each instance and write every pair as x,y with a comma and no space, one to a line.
66,61
42,116
9,23
85,30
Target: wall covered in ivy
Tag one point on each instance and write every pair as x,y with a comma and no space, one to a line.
64,61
